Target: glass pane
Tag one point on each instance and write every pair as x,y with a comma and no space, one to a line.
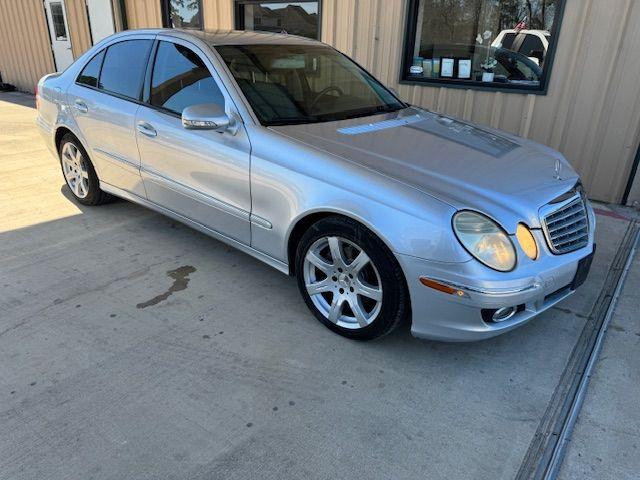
57,15
185,13
294,18
292,84
486,41
124,66
89,74
181,79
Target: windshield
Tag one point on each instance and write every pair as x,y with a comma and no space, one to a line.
293,84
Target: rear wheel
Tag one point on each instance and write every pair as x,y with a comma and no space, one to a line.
79,173
350,280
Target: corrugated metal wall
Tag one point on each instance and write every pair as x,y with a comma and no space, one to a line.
78,26
143,14
25,46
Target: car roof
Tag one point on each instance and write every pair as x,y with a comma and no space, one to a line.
230,37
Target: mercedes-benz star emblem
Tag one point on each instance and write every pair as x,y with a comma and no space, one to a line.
558,170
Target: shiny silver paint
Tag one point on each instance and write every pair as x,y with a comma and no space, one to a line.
402,174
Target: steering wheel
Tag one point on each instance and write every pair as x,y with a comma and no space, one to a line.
330,88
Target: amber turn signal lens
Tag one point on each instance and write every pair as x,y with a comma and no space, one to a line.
527,241
441,287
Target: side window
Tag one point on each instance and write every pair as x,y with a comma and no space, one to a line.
180,79
124,67
507,40
532,47
91,71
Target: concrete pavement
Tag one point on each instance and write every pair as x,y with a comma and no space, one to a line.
606,440
107,372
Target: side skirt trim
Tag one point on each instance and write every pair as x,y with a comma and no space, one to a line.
277,264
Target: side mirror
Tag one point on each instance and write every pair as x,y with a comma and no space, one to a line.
207,116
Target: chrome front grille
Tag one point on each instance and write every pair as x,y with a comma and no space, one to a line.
567,228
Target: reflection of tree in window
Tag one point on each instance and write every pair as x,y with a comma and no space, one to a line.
185,13
467,28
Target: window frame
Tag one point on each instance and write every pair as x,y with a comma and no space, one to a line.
137,100
238,21
411,25
151,65
165,12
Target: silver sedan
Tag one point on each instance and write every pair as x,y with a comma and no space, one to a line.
288,150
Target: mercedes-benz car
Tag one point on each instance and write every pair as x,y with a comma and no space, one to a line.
288,150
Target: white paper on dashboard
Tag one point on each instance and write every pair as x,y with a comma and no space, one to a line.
447,67
464,68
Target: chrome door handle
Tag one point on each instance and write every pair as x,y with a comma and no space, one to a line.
80,106
146,129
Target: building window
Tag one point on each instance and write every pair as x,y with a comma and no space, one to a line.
182,14
492,44
57,15
294,18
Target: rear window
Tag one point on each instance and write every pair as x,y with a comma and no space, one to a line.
124,67
91,71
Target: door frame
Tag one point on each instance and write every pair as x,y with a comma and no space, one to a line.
50,31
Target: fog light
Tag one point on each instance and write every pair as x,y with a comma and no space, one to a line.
503,314
527,241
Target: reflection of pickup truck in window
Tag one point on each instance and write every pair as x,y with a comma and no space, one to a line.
530,43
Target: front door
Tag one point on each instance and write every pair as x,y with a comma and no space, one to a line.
202,175
59,29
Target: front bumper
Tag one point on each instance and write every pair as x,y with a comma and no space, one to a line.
533,287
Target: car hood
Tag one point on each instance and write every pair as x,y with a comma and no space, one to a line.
464,165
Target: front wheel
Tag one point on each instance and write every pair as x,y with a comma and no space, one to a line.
350,280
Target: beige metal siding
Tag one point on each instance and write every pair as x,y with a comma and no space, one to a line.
218,14
143,14
25,46
78,26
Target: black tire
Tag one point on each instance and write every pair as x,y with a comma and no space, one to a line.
395,298
94,196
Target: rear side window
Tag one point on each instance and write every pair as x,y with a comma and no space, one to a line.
507,40
91,71
124,67
532,47
181,79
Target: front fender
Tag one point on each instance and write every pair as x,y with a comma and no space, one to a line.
289,182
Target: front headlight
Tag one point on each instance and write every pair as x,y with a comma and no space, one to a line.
485,240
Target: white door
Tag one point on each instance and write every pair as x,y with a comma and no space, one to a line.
100,19
59,29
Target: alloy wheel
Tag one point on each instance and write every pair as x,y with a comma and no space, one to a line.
343,282
74,168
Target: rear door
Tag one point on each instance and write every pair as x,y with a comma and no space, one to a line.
105,99
202,175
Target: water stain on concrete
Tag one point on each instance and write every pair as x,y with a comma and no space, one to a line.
180,278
